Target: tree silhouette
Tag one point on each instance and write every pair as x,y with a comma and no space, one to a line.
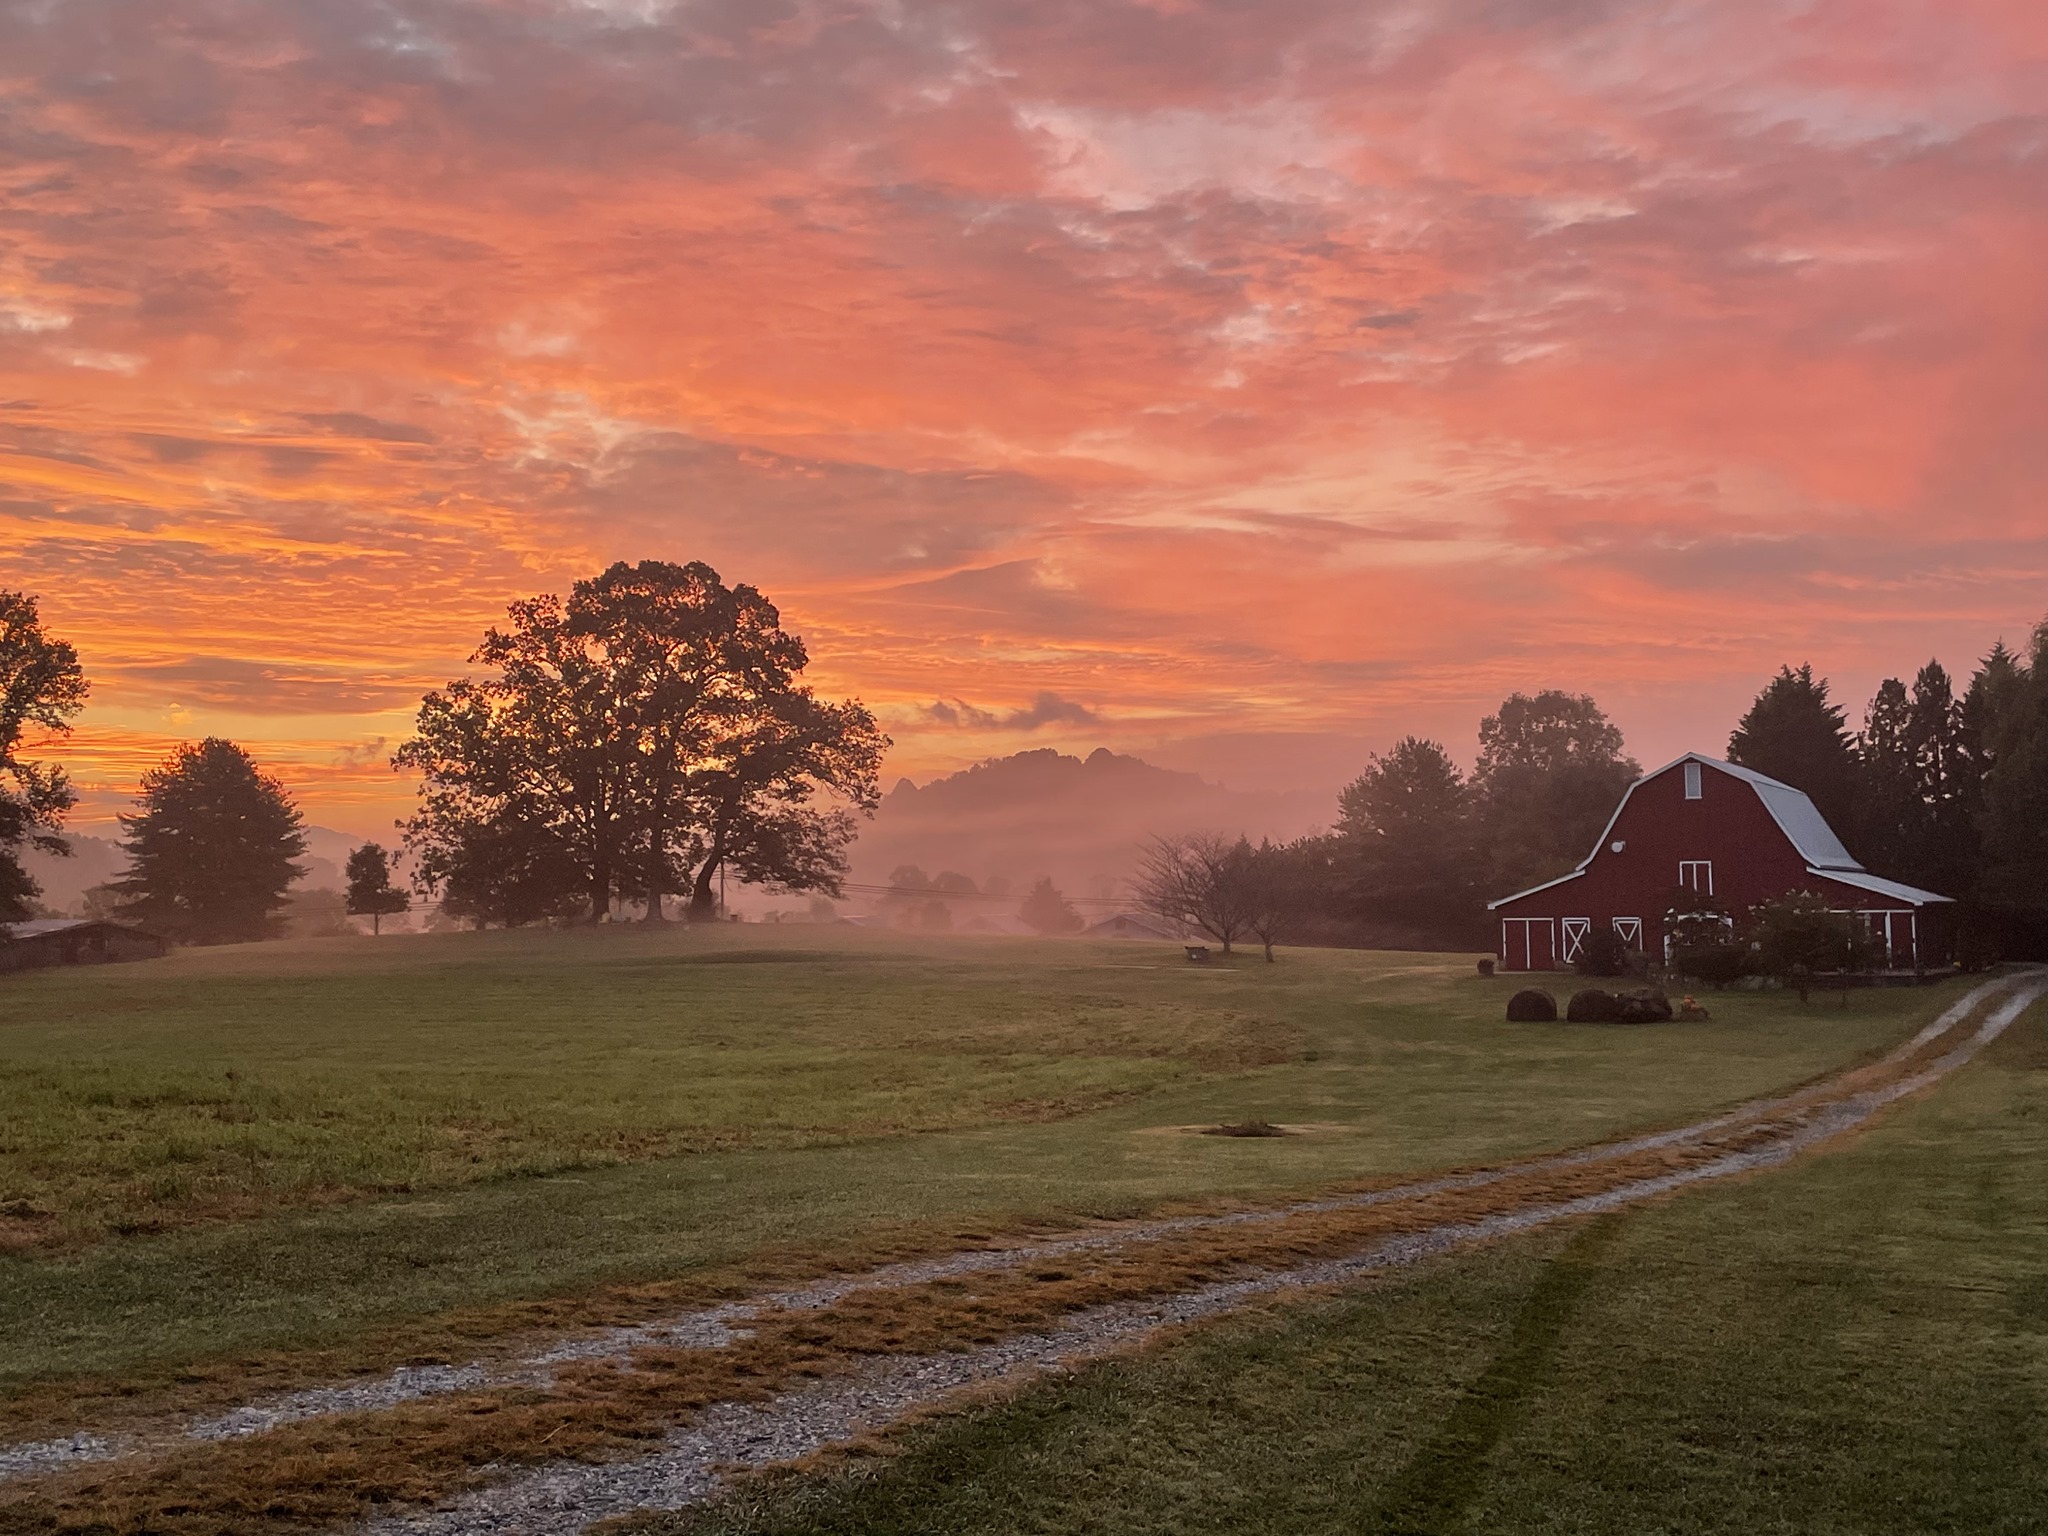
1795,734
1046,909
2015,818
1204,879
1919,784
654,729
41,684
211,851
370,891
510,871
1551,770
1404,843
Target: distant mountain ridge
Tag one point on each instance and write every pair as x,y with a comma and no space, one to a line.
1080,820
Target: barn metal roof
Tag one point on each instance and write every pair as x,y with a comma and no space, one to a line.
1912,895
42,925
1797,817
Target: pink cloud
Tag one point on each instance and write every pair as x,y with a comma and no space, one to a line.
1216,369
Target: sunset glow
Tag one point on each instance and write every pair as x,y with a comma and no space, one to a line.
1237,384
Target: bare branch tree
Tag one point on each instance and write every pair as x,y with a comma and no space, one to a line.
1203,879
1285,884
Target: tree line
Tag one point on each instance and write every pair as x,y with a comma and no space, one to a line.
1418,845
631,742
1941,789
652,731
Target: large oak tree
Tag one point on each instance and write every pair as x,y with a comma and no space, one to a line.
645,734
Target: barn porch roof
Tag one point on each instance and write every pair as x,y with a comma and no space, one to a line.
1877,885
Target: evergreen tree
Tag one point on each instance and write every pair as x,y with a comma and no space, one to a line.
370,891
211,850
41,684
1551,770
1887,796
2015,815
1917,774
1941,842
1796,735
1404,840
1046,909
1990,705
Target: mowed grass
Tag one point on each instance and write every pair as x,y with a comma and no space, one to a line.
1856,1345
233,1082
419,1127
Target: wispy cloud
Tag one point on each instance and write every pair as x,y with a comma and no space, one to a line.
1200,369
1046,709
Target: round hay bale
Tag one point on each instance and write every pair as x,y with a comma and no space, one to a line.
1645,1006
1593,1006
1532,1005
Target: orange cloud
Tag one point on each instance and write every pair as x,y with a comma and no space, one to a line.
1220,372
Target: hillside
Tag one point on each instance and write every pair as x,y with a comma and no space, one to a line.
1078,820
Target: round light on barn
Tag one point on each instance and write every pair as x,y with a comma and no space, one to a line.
1618,844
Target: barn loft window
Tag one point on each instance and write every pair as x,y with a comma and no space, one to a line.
1692,781
1697,875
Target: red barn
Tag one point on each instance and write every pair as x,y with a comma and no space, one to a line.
1726,832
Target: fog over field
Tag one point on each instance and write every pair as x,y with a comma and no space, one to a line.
1080,820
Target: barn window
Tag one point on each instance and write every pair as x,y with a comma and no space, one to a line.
1697,875
1692,781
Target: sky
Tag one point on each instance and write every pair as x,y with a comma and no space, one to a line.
1238,383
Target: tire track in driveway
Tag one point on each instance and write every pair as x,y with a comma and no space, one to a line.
1329,1246
697,1461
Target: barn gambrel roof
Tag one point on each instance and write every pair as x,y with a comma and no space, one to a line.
1797,817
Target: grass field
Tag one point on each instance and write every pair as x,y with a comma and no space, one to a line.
291,1145
1853,1346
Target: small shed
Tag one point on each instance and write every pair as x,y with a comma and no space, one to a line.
73,941
1015,927
1131,925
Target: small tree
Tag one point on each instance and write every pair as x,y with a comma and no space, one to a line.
1046,909
211,850
1203,879
370,891
510,871
1603,952
1288,883
1798,935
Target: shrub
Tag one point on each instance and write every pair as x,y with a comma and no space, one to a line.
1797,934
1602,953
1718,965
